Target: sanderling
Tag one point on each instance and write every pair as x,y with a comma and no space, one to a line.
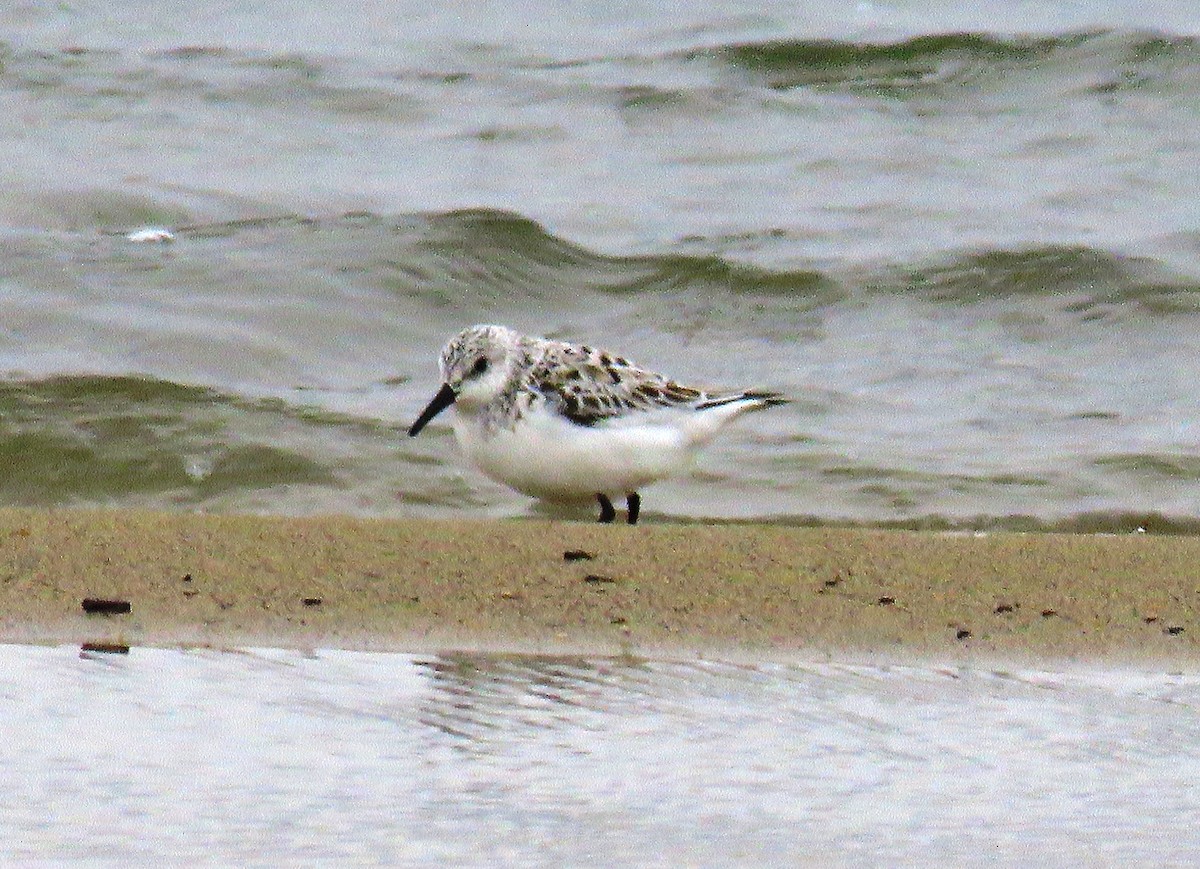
566,422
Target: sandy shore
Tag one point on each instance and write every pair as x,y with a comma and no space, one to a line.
423,585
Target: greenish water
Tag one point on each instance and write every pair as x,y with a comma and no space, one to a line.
964,243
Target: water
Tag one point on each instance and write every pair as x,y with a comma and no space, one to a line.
962,238
270,758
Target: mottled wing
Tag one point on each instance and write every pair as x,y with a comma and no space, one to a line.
590,386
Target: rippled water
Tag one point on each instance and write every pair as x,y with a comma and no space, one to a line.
269,757
964,241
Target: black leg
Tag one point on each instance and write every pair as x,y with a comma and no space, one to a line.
633,501
607,513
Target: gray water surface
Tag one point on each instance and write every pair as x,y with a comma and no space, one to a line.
963,239
275,757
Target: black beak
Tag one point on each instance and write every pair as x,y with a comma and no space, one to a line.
441,401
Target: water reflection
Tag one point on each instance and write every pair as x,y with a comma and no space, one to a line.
277,756
479,698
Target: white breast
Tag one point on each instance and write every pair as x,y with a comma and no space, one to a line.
547,457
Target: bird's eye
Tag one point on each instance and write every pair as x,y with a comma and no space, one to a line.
481,365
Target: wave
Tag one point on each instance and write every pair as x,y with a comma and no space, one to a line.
481,259
518,253
502,254
1082,280
475,256
1117,60
139,442
1087,522
97,439
1169,467
214,75
1112,60
509,239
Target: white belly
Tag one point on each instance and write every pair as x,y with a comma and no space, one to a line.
549,458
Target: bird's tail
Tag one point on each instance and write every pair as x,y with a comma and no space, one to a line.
752,399
715,412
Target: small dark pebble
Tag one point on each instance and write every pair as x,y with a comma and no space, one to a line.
1049,614
1004,608
1174,630
187,577
596,578
578,555
832,583
886,601
190,593
1150,619
105,607
312,601
963,634
105,648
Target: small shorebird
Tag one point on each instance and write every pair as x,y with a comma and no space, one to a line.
566,422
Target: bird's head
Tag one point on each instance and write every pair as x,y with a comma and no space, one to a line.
476,366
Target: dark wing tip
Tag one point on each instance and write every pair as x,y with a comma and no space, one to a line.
768,399
762,399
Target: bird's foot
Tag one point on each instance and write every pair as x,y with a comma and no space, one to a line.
607,513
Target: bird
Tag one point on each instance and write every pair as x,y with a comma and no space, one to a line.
567,422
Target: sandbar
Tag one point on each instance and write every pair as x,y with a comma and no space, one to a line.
229,581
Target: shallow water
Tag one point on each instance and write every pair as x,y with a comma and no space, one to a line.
964,241
269,757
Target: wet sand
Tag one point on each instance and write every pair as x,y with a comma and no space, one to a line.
415,585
